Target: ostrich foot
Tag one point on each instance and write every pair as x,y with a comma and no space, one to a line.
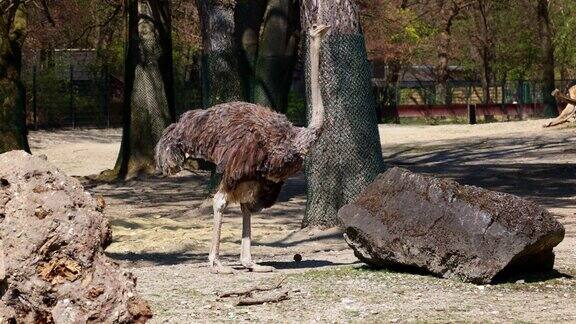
253,267
217,268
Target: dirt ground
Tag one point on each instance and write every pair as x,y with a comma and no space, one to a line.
162,236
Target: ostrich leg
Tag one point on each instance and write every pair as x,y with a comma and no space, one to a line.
245,254
219,205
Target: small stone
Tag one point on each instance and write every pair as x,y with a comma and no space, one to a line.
347,301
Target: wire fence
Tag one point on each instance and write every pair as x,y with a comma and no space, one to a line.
421,98
88,96
76,96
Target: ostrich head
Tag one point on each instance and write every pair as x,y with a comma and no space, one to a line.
308,136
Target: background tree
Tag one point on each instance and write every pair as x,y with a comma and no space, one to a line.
396,36
57,24
448,12
148,92
267,34
348,155
548,61
277,52
563,18
13,23
481,36
220,68
248,17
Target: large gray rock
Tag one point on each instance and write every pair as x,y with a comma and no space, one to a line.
409,220
52,239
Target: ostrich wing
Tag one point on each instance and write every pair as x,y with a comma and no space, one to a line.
245,142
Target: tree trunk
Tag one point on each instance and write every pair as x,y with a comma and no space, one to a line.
277,54
442,73
13,24
248,16
220,72
548,62
148,88
348,155
486,78
394,80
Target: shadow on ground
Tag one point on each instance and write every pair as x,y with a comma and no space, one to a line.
305,264
517,166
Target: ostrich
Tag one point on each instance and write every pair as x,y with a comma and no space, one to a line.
254,148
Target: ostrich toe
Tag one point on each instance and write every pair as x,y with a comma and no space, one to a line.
253,267
217,268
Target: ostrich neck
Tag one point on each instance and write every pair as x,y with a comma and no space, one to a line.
317,120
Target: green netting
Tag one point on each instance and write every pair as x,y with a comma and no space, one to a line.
150,111
220,78
220,83
348,156
272,82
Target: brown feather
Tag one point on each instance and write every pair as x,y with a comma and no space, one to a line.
245,141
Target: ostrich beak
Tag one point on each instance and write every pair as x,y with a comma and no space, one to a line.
319,30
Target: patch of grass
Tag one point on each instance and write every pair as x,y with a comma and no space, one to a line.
352,313
342,272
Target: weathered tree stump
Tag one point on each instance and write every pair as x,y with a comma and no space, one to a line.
409,220
53,235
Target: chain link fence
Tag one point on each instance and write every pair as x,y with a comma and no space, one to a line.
348,156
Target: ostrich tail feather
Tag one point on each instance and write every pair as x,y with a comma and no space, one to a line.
170,156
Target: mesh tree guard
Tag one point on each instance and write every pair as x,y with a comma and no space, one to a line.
13,21
221,80
149,91
220,75
348,155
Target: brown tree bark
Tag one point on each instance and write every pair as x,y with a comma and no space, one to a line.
267,33
248,17
482,42
148,89
444,46
348,155
277,54
548,60
13,24
393,83
448,12
220,68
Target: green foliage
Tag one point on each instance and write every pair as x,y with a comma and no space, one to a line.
564,21
296,112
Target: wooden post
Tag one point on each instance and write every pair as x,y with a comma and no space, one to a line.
472,114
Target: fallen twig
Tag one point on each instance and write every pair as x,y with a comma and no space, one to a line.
249,291
271,298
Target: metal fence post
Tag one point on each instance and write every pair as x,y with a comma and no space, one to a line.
72,108
472,114
34,98
503,93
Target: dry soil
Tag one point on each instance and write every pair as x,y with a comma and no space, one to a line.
162,235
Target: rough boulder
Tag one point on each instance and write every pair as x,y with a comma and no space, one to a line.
52,265
407,220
